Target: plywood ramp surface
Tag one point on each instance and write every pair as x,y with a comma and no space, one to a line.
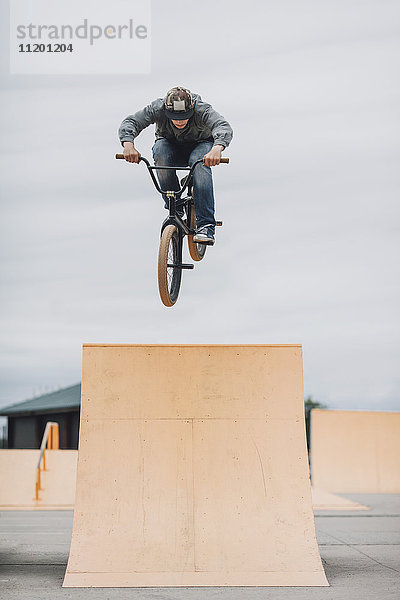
355,451
18,478
192,469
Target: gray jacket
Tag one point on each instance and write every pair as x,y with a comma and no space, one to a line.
205,124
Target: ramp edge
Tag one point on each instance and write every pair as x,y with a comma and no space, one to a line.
197,579
116,345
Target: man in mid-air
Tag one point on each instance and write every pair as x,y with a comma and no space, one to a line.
187,129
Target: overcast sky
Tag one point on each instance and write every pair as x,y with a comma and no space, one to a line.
309,249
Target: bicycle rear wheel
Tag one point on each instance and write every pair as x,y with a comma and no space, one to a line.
169,276
196,251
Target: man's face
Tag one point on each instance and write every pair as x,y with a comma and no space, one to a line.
180,124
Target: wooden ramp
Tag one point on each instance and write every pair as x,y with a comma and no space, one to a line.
192,469
18,479
355,451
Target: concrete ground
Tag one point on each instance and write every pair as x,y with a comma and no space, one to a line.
360,551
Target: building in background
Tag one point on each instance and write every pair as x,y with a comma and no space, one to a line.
27,420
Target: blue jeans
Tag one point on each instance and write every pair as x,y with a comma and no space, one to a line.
184,154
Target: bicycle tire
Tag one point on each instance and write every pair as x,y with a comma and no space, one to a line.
169,278
196,251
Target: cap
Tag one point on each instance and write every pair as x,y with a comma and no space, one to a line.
179,104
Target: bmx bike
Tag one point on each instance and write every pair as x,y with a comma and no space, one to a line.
174,229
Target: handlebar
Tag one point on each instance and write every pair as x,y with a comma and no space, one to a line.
121,156
187,180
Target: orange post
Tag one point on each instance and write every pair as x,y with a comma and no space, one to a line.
37,483
56,444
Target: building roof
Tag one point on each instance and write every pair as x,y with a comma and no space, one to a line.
60,401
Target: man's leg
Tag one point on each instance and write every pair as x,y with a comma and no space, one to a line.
203,193
166,153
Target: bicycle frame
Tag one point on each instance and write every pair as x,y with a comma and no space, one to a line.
173,201
174,197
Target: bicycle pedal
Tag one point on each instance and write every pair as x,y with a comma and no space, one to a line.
218,223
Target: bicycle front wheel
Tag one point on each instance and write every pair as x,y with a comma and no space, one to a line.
169,276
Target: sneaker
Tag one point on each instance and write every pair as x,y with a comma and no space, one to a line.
204,235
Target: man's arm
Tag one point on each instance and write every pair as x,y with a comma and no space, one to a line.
133,125
221,131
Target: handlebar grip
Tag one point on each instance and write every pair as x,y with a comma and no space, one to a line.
119,156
